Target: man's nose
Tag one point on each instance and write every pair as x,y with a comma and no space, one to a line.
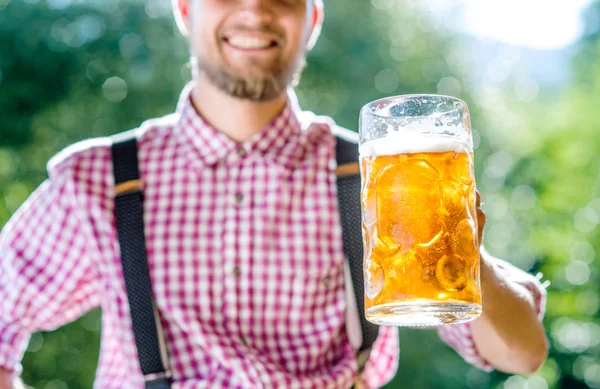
258,11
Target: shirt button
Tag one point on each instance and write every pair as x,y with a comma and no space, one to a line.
244,342
236,271
239,198
241,152
326,281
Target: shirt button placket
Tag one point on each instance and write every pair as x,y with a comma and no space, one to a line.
230,253
234,265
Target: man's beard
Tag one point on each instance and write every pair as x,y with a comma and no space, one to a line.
258,89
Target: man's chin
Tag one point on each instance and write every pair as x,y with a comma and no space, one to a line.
253,76
252,84
257,89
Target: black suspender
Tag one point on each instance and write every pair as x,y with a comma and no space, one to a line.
149,339
348,182
145,320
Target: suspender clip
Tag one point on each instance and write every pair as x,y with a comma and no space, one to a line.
161,381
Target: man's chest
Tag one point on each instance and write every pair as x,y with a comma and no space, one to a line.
253,242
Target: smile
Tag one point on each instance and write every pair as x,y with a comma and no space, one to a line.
248,41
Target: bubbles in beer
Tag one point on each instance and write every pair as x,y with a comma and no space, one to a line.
385,248
452,193
422,172
465,237
420,220
430,252
463,168
411,187
406,266
452,273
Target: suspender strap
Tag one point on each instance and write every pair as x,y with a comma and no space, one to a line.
349,184
130,229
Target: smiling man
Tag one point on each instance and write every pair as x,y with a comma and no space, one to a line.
242,229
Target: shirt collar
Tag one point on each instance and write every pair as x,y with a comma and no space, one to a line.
211,146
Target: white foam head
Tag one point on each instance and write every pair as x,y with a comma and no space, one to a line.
412,142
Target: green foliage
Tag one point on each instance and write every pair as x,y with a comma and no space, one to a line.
31,62
71,70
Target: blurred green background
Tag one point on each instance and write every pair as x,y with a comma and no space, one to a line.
71,70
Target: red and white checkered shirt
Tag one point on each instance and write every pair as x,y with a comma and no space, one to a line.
244,249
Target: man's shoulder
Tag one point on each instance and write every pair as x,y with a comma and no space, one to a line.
95,153
309,119
80,154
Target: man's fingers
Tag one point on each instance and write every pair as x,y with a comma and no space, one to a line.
480,219
480,216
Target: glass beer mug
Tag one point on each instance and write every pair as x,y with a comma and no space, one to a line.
418,208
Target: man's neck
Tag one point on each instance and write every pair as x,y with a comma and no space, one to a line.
237,118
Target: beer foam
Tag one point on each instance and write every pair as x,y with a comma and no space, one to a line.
408,143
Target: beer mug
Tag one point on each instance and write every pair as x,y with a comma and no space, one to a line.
419,216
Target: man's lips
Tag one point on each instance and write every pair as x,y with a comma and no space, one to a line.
251,40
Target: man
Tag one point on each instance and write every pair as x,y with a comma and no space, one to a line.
243,238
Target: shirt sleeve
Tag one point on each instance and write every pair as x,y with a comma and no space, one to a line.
46,276
383,362
460,337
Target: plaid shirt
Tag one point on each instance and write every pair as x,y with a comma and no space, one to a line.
244,249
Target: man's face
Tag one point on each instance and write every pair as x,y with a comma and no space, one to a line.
251,49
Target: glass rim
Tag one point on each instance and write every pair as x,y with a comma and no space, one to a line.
368,108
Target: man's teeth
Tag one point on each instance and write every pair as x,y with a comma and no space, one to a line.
243,42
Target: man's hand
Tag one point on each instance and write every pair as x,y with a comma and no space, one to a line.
508,333
8,382
480,218
5,379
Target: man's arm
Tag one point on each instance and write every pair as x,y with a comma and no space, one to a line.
48,275
5,379
8,382
508,334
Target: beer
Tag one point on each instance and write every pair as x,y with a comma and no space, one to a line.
420,227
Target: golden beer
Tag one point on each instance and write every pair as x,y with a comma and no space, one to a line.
420,230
